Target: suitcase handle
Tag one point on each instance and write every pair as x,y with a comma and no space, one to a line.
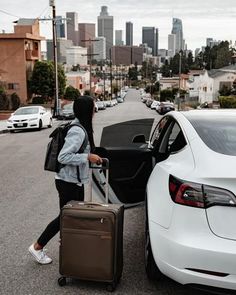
94,204
103,166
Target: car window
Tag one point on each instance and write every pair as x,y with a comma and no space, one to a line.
157,131
176,140
26,111
173,140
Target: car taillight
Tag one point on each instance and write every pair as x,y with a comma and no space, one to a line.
199,195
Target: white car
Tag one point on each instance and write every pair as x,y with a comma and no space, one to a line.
155,104
187,177
31,117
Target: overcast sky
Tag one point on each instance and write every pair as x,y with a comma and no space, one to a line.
201,19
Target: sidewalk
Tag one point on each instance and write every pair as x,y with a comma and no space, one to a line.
3,126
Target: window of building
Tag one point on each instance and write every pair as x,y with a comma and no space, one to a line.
13,86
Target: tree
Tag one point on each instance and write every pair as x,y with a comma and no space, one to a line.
4,101
71,93
133,74
42,80
15,101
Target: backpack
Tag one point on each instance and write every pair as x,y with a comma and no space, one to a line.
55,145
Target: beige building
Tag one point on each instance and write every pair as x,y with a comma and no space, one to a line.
19,52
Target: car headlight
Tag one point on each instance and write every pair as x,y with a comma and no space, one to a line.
10,121
33,119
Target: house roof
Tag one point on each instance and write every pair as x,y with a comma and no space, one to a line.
26,21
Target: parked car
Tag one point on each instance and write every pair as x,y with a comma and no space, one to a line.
67,113
149,102
31,117
155,104
119,99
186,177
95,107
165,107
101,105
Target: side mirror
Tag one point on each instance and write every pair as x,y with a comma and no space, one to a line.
139,138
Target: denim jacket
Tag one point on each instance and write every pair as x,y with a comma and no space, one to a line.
70,157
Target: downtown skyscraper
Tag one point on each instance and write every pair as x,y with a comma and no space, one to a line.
150,37
105,28
177,29
129,33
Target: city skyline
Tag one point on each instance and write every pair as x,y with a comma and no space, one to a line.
201,20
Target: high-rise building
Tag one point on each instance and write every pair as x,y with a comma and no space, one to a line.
119,37
87,32
150,37
105,28
208,42
177,29
76,55
171,45
129,33
72,27
99,48
62,45
127,55
60,27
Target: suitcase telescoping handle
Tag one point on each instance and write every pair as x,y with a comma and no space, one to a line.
103,166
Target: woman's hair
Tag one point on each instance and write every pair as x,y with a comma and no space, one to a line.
83,110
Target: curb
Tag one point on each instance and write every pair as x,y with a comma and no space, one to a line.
4,131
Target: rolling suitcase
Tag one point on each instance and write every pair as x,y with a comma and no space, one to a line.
92,240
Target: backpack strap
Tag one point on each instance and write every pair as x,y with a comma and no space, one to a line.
83,146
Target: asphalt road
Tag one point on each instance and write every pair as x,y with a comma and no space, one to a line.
28,201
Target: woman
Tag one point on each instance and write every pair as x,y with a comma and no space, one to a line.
68,184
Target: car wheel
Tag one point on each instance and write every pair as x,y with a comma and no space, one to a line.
152,271
50,123
40,124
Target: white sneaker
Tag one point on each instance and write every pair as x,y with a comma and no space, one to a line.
40,255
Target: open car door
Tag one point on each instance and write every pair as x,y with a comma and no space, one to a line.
130,162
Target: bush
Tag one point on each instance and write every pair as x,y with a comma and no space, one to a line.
227,102
15,101
71,93
38,100
4,100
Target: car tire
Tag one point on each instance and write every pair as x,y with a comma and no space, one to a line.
152,270
40,124
50,123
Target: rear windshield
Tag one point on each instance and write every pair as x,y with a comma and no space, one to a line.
219,134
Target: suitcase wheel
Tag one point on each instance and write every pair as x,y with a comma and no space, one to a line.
61,281
111,287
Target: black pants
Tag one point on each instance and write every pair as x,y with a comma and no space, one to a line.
67,192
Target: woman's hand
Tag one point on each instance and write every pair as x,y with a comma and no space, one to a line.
95,159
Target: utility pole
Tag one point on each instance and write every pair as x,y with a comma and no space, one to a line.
110,72
180,65
54,37
90,55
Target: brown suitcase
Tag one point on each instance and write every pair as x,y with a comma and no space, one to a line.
92,241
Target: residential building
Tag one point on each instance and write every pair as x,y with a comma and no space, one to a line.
105,28
129,33
119,38
78,79
211,82
19,52
177,29
127,55
72,27
171,45
150,37
76,55
87,32
60,27
62,45
99,48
